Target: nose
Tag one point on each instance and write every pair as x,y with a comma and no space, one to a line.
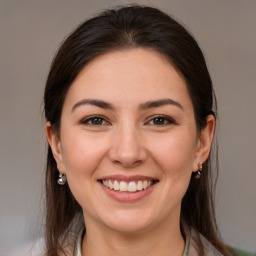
127,147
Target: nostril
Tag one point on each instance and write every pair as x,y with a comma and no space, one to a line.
128,164
127,150
127,160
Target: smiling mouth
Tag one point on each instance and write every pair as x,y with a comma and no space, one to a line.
132,186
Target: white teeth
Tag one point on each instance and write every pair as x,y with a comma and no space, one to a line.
124,186
132,186
145,184
116,185
110,184
139,185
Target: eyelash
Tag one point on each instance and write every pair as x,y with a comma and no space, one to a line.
87,120
102,120
167,120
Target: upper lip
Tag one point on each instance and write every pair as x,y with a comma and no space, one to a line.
127,178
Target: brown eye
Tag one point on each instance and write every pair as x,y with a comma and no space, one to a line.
161,121
95,121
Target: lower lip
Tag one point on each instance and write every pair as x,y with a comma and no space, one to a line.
127,196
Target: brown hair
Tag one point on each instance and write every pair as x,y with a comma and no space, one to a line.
123,28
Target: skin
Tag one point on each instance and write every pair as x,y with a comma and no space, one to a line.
129,140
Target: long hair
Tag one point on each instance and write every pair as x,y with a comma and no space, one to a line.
118,29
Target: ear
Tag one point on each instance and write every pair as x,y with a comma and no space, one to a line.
55,144
204,142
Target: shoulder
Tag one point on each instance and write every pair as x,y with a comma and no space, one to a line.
71,245
240,252
37,249
209,249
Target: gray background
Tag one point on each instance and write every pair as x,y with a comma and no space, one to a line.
30,32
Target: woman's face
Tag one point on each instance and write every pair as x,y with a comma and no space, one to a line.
128,141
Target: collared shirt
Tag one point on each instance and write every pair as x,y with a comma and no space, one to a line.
190,247
78,245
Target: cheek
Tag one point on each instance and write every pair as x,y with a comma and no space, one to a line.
81,154
176,154
175,157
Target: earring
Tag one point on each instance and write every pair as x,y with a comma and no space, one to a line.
62,179
199,172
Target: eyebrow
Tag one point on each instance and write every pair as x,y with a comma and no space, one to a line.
144,106
160,103
97,103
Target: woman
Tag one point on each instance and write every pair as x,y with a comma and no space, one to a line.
130,117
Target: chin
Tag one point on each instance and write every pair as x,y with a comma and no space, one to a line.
127,228
129,222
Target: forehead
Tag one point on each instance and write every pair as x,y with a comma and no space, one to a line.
141,60
141,74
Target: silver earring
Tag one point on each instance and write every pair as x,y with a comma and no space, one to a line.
199,172
62,179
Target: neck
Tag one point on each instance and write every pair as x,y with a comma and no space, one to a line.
158,241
